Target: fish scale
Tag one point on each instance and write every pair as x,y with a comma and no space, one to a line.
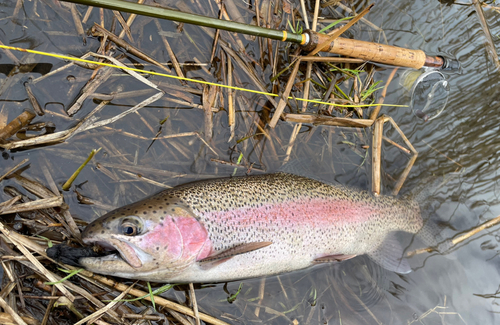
305,221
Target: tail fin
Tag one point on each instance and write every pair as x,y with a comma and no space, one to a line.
430,233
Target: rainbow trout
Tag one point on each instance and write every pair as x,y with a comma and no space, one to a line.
242,227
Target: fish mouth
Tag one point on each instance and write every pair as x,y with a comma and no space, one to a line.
120,253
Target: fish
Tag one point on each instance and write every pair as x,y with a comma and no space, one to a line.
235,228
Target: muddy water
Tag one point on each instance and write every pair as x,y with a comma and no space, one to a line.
455,288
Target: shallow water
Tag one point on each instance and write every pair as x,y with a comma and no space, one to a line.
447,289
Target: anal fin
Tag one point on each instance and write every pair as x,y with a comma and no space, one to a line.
233,251
334,258
389,255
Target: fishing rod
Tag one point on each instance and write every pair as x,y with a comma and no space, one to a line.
308,40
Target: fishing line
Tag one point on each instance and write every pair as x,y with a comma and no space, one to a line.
65,57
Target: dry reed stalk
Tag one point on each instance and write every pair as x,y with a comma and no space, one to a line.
140,177
304,14
93,317
202,65
261,129
143,170
381,99
262,287
102,75
44,193
216,37
291,142
327,120
192,296
208,98
396,145
364,20
87,14
11,312
340,31
31,244
33,101
130,20
171,54
7,233
15,125
134,109
409,165
461,237
144,317
230,99
50,138
158,300
100,31
484,25
235,36
64,67
10,171
249,71
77,22
284,97
122,95
11,56
269,41
123,23
55,201
376,154
179,317
7,319
49,308
259,39
307,85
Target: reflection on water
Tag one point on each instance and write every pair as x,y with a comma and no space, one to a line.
456,288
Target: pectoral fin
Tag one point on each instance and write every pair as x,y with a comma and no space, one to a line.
333,258
223,256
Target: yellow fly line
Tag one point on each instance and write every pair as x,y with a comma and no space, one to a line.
65,57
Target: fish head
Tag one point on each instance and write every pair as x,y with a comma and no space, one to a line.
149,238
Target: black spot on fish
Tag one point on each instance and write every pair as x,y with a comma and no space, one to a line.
161,224
144,212
91,232
161,218
173,209
157,248
136,211
150,207
102,232
154,211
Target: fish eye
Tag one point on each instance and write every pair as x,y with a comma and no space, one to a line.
129,230
130,227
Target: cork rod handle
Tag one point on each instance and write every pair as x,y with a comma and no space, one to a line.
375,52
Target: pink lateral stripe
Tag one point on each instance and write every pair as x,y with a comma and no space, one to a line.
314,212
